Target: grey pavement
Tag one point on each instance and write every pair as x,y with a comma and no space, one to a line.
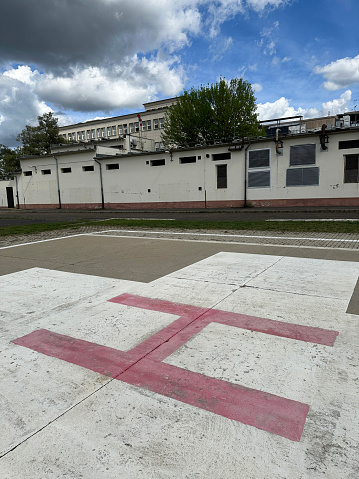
63,418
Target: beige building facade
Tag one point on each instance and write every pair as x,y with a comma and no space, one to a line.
144,128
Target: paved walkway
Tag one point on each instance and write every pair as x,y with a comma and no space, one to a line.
230,364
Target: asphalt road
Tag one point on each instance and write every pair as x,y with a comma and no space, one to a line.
12,217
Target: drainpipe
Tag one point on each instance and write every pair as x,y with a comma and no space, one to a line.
102,196
58,181
17,193
245,174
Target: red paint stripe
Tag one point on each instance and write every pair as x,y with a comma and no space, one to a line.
100,359
268,412
252,323
269,326
179,309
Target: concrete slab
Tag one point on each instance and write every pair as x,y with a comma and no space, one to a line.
236,366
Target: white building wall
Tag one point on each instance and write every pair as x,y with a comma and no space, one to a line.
136,182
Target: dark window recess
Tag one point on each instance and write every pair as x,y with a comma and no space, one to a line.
113,166
303,176
65,170
158,162
200,188
222,176
258,179
187,159
88,168
258,159
351,169
345,145
148,191
221,156
27,173
46,172
147,162
302,155
199,157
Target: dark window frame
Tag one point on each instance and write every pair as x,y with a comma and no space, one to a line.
294,156
303,172
252,174
222,179
112,166
221,156
159,162
349,173
256,167
184,160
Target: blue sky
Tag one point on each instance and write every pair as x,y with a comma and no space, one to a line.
98,58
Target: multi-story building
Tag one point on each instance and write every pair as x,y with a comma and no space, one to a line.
143,128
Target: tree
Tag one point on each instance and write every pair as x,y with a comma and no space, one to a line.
221,111
37,140
9,161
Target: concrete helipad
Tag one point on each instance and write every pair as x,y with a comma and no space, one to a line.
233,365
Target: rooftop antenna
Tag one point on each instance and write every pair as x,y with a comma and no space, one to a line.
355,105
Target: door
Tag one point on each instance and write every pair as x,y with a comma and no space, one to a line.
10,197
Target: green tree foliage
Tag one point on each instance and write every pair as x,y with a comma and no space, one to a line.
37,140
9,161
220,111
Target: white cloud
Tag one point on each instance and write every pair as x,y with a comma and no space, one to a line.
28,107
127,86
23,74
257,87
282,108
340,74
268,39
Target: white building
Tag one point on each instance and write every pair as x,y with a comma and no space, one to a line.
146,126
297,169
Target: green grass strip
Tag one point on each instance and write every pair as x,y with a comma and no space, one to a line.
278,226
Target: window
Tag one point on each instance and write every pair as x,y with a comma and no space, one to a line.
259,179
259,159
157,145
302,176
83,135
46,172
148,124
221,176
88,134
98,132
27,173
114,131
187,159
78,136
302,155
88,168
155,124
112,166
158,162
103,132
144,125
125,128
137,126
120,131
108,131
221,156
131,128
344,145
351,169
93,133
65,170
161,123
70,137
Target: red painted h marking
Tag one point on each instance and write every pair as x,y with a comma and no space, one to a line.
142,366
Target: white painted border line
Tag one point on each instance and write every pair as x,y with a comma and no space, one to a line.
43,241
276,245
227,235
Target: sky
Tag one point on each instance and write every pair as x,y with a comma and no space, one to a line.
87,59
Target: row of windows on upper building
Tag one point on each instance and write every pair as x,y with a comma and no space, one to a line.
111,131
